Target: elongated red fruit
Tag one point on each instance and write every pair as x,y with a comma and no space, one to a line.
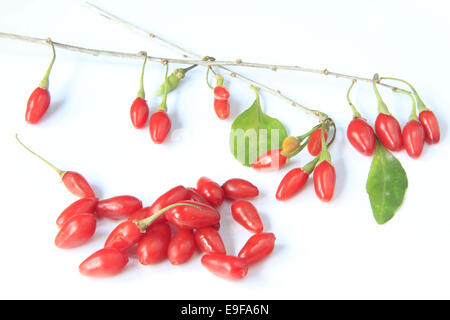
315,142
221,104
40,98
174,195
209,240
37,105
389,132
361,136
159,126
257,247
271,160
139,113
188,217
227,267
152,248
291,184
247,216
211,191
76,231
431,126
77,184
85,205
120,207
413,138
124,236
181,247
239,189
324,180
105,262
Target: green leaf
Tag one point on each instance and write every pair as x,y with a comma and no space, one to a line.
253,133
386,184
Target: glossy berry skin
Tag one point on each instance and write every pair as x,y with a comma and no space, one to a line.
291,184
271,160
176,194
361,136
77,184
209,240
38,103
124,236
181,247
139,113
211,191
388,132
247,216
117,208
194,195
431,126
105,262
159,126
221,104
85,205
315,142
413,138
324,180
76,231
154,245
239,189
257,247
227,267
222,109
187,217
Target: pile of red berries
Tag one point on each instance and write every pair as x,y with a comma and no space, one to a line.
192,212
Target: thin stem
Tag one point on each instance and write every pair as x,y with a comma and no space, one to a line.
190,68
324,154
413,115
143,224
382,108
44,82
307,134
141,92
207,78
163,105
420,103
309,167
356,114
59,171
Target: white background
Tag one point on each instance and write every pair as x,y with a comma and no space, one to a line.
323,250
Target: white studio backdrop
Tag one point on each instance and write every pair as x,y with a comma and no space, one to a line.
323,250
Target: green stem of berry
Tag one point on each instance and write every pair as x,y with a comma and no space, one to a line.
59,171
163,105
143,224
44,82
413,115
141,92
356,114
324,154
420,103
382,108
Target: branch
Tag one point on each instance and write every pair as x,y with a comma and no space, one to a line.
238,62
187,53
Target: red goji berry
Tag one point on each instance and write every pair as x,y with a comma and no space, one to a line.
227,267
105,262
76,231
257,247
